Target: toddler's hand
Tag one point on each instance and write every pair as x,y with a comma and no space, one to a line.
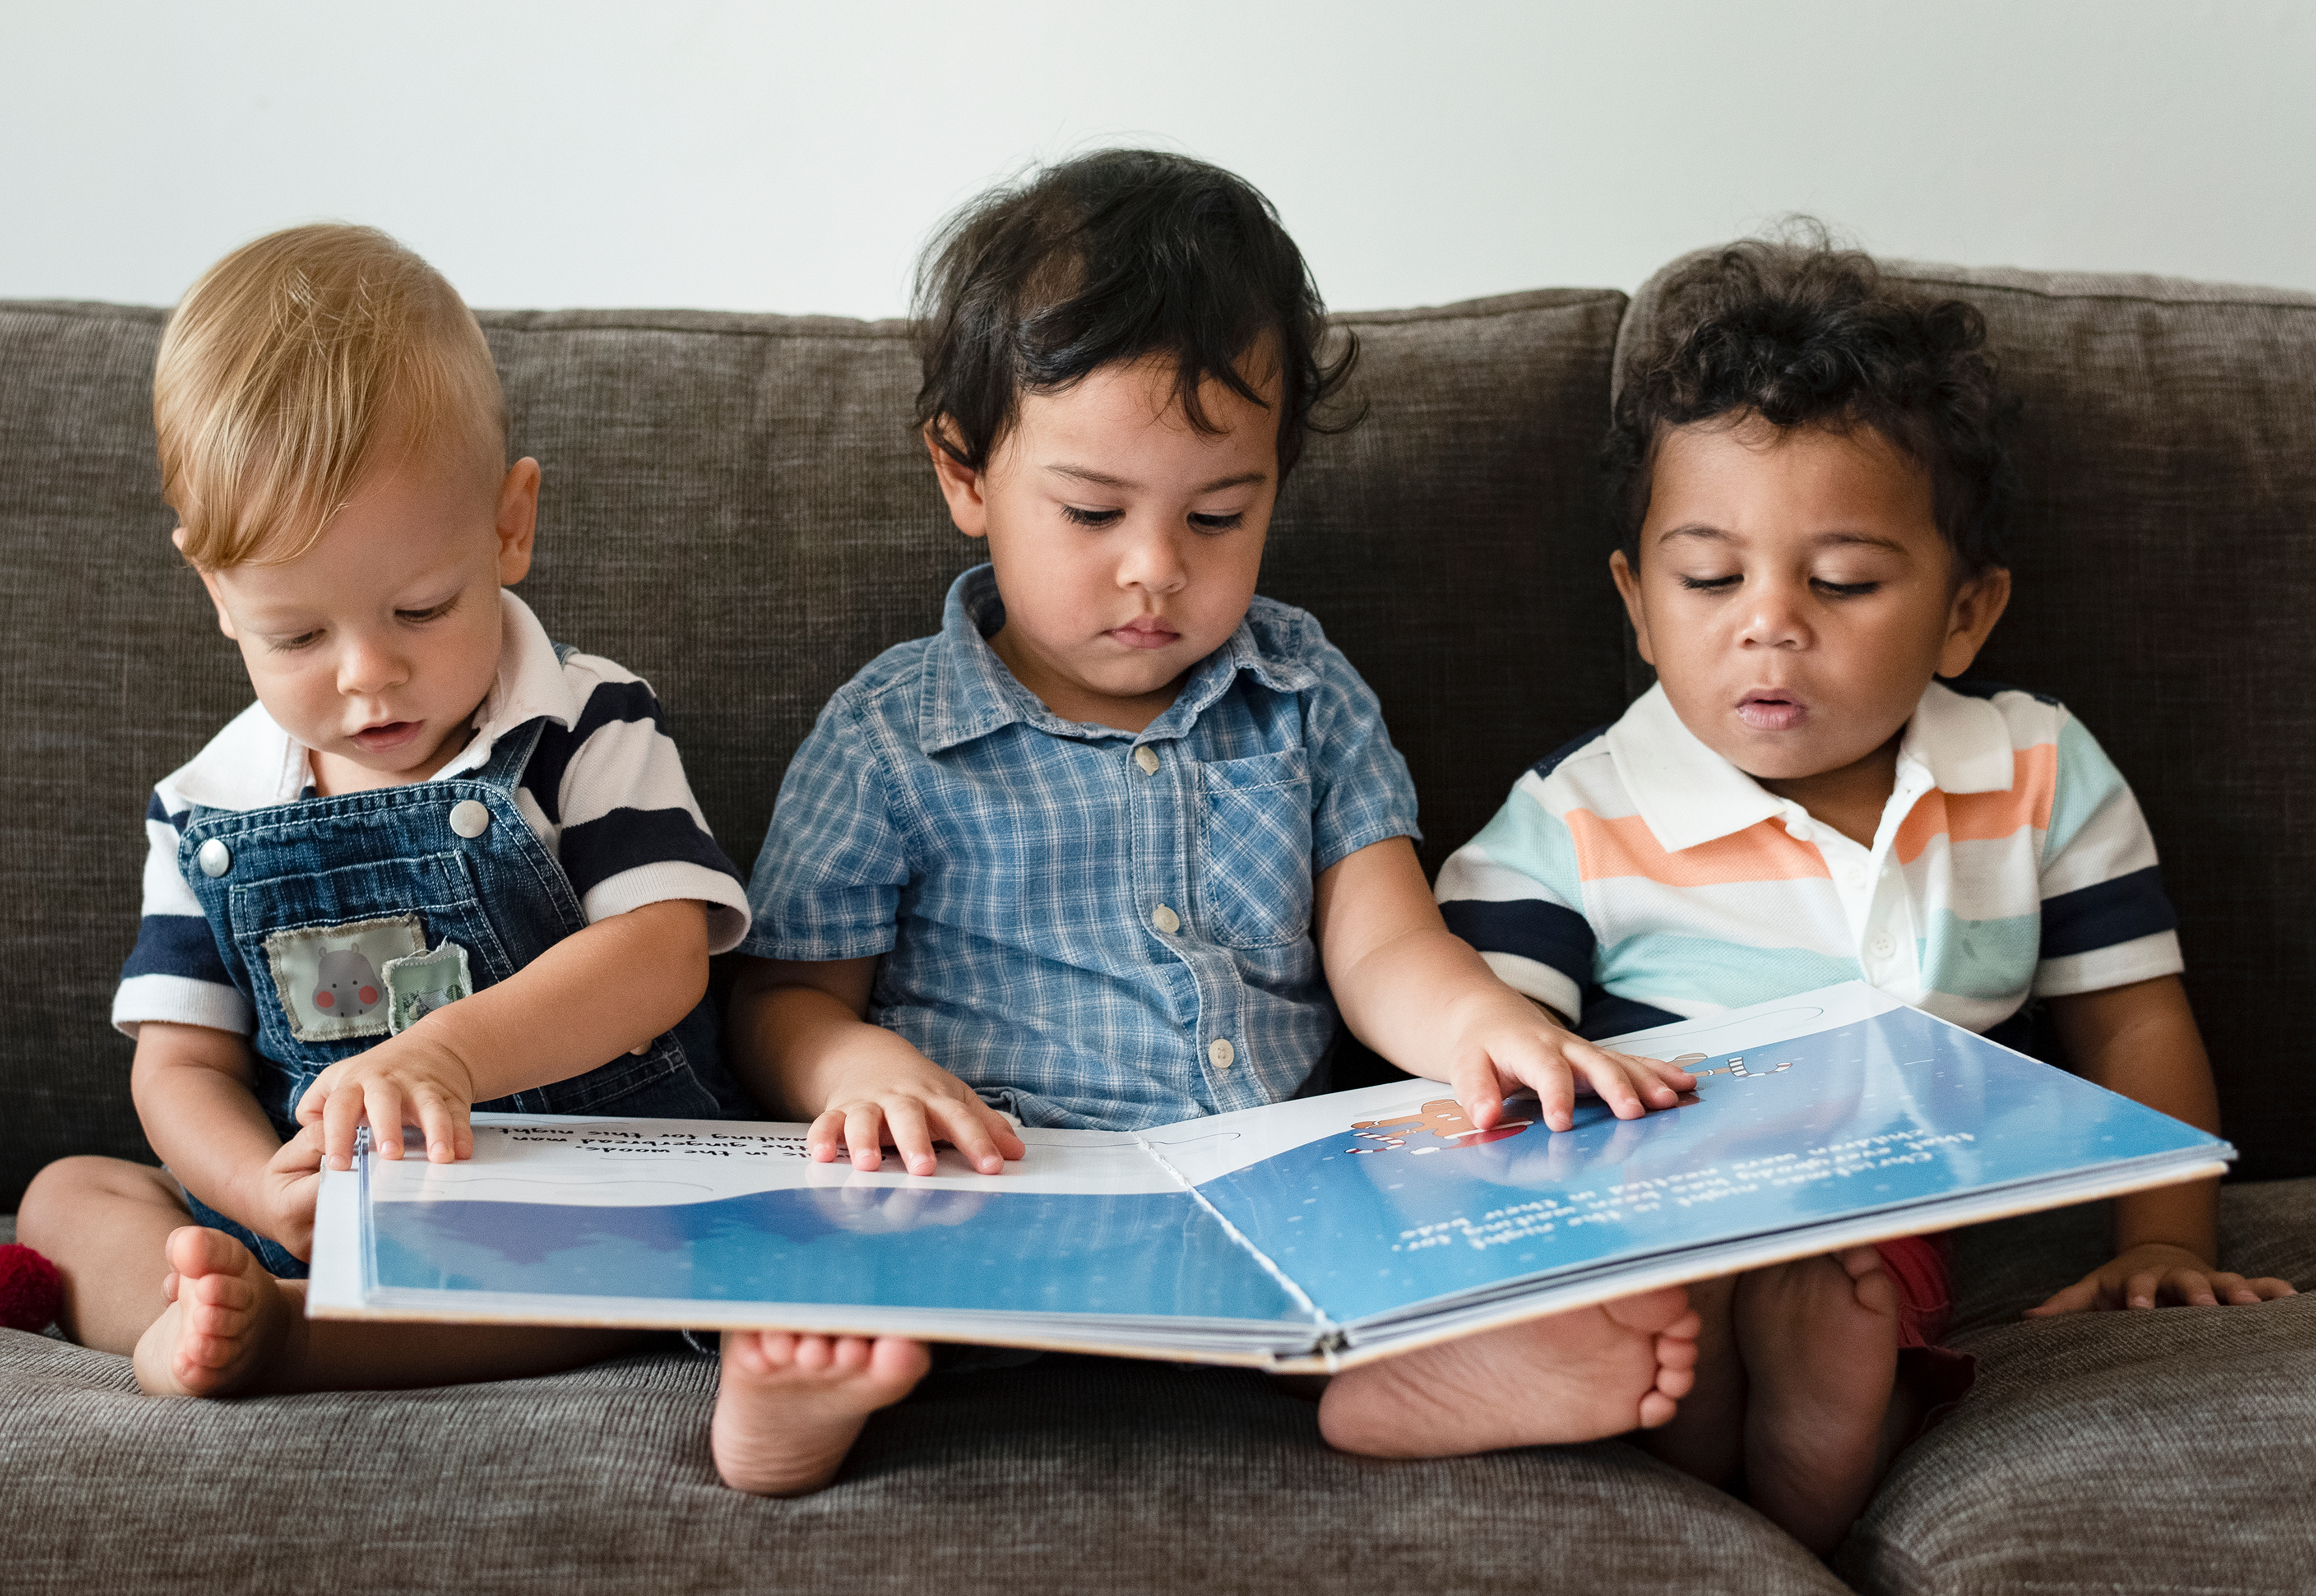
404,1077
2156,1272
896,1091
1511,1043
285,1192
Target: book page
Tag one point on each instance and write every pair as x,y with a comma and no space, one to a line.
1874,1106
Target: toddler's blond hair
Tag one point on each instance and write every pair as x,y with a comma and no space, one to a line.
291,366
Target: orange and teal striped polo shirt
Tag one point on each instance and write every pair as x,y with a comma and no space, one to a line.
1637,876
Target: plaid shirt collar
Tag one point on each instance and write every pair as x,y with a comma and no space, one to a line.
968,692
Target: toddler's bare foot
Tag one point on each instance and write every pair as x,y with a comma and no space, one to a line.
1577,1375
1819,1338
790,1407
226,1320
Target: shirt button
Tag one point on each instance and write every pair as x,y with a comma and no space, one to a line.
1882,946
1853,875
1147,758
1220,1052
469,818
215,857
1166,920
1800,830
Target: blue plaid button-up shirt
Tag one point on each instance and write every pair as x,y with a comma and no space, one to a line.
1095,928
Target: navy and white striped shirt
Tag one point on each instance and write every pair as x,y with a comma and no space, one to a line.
604,790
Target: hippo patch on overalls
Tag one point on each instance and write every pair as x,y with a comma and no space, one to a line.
330,979
418,984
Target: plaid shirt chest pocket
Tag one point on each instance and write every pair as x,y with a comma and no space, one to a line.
1254,849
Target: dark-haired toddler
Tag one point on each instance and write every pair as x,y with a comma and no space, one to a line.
1810,461
1097,853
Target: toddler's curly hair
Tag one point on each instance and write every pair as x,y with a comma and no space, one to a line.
1803,334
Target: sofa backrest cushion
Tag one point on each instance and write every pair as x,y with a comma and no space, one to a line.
2165,567
735,506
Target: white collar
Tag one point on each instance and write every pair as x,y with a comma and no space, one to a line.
1689,795
253,763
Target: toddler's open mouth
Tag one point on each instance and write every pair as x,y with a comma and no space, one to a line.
384,737
1771,711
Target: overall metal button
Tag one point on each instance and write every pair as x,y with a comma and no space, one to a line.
215,857
1166,920
1221,1053
469,818
1147,758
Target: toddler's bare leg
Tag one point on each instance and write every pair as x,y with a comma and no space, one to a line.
790,1407
103,1222
231,1327
1576,1376
1706,1438
1820,1341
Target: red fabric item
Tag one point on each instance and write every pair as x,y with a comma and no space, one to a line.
31,1292
1917,1264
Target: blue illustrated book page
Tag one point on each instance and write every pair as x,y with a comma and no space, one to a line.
1309,1235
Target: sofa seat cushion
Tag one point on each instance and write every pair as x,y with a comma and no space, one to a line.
2156,1451
1072,1473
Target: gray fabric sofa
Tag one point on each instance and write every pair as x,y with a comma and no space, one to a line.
733,507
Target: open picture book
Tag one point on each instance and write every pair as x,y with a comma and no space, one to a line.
1307,1235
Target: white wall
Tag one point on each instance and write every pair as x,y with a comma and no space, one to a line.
781,158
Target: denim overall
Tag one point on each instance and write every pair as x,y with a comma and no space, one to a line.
283,883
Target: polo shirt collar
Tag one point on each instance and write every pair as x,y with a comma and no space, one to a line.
531,686
253,763
1689,795
969,693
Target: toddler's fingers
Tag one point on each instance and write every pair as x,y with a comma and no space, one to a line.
864,1136
968,1132
2083,1294
316,1098
912,1139
1671,1076
2194,1287
824,1137
2140,1290
1001,1129
1533,1064
382,1101
1478,1087
341,1116
439,1119
1604,1073
2268,1288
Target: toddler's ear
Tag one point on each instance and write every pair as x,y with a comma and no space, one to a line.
1628,587
1977,605
209,582
960,483
517,521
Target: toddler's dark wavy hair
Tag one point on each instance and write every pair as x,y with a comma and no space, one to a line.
1803,334
1113,256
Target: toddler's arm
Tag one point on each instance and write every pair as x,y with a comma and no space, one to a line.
192,1087
604,990
799,1035
2141,1040
1417,994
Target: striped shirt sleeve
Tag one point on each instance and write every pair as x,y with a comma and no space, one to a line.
174,973
2106,920
610,796
1514,894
